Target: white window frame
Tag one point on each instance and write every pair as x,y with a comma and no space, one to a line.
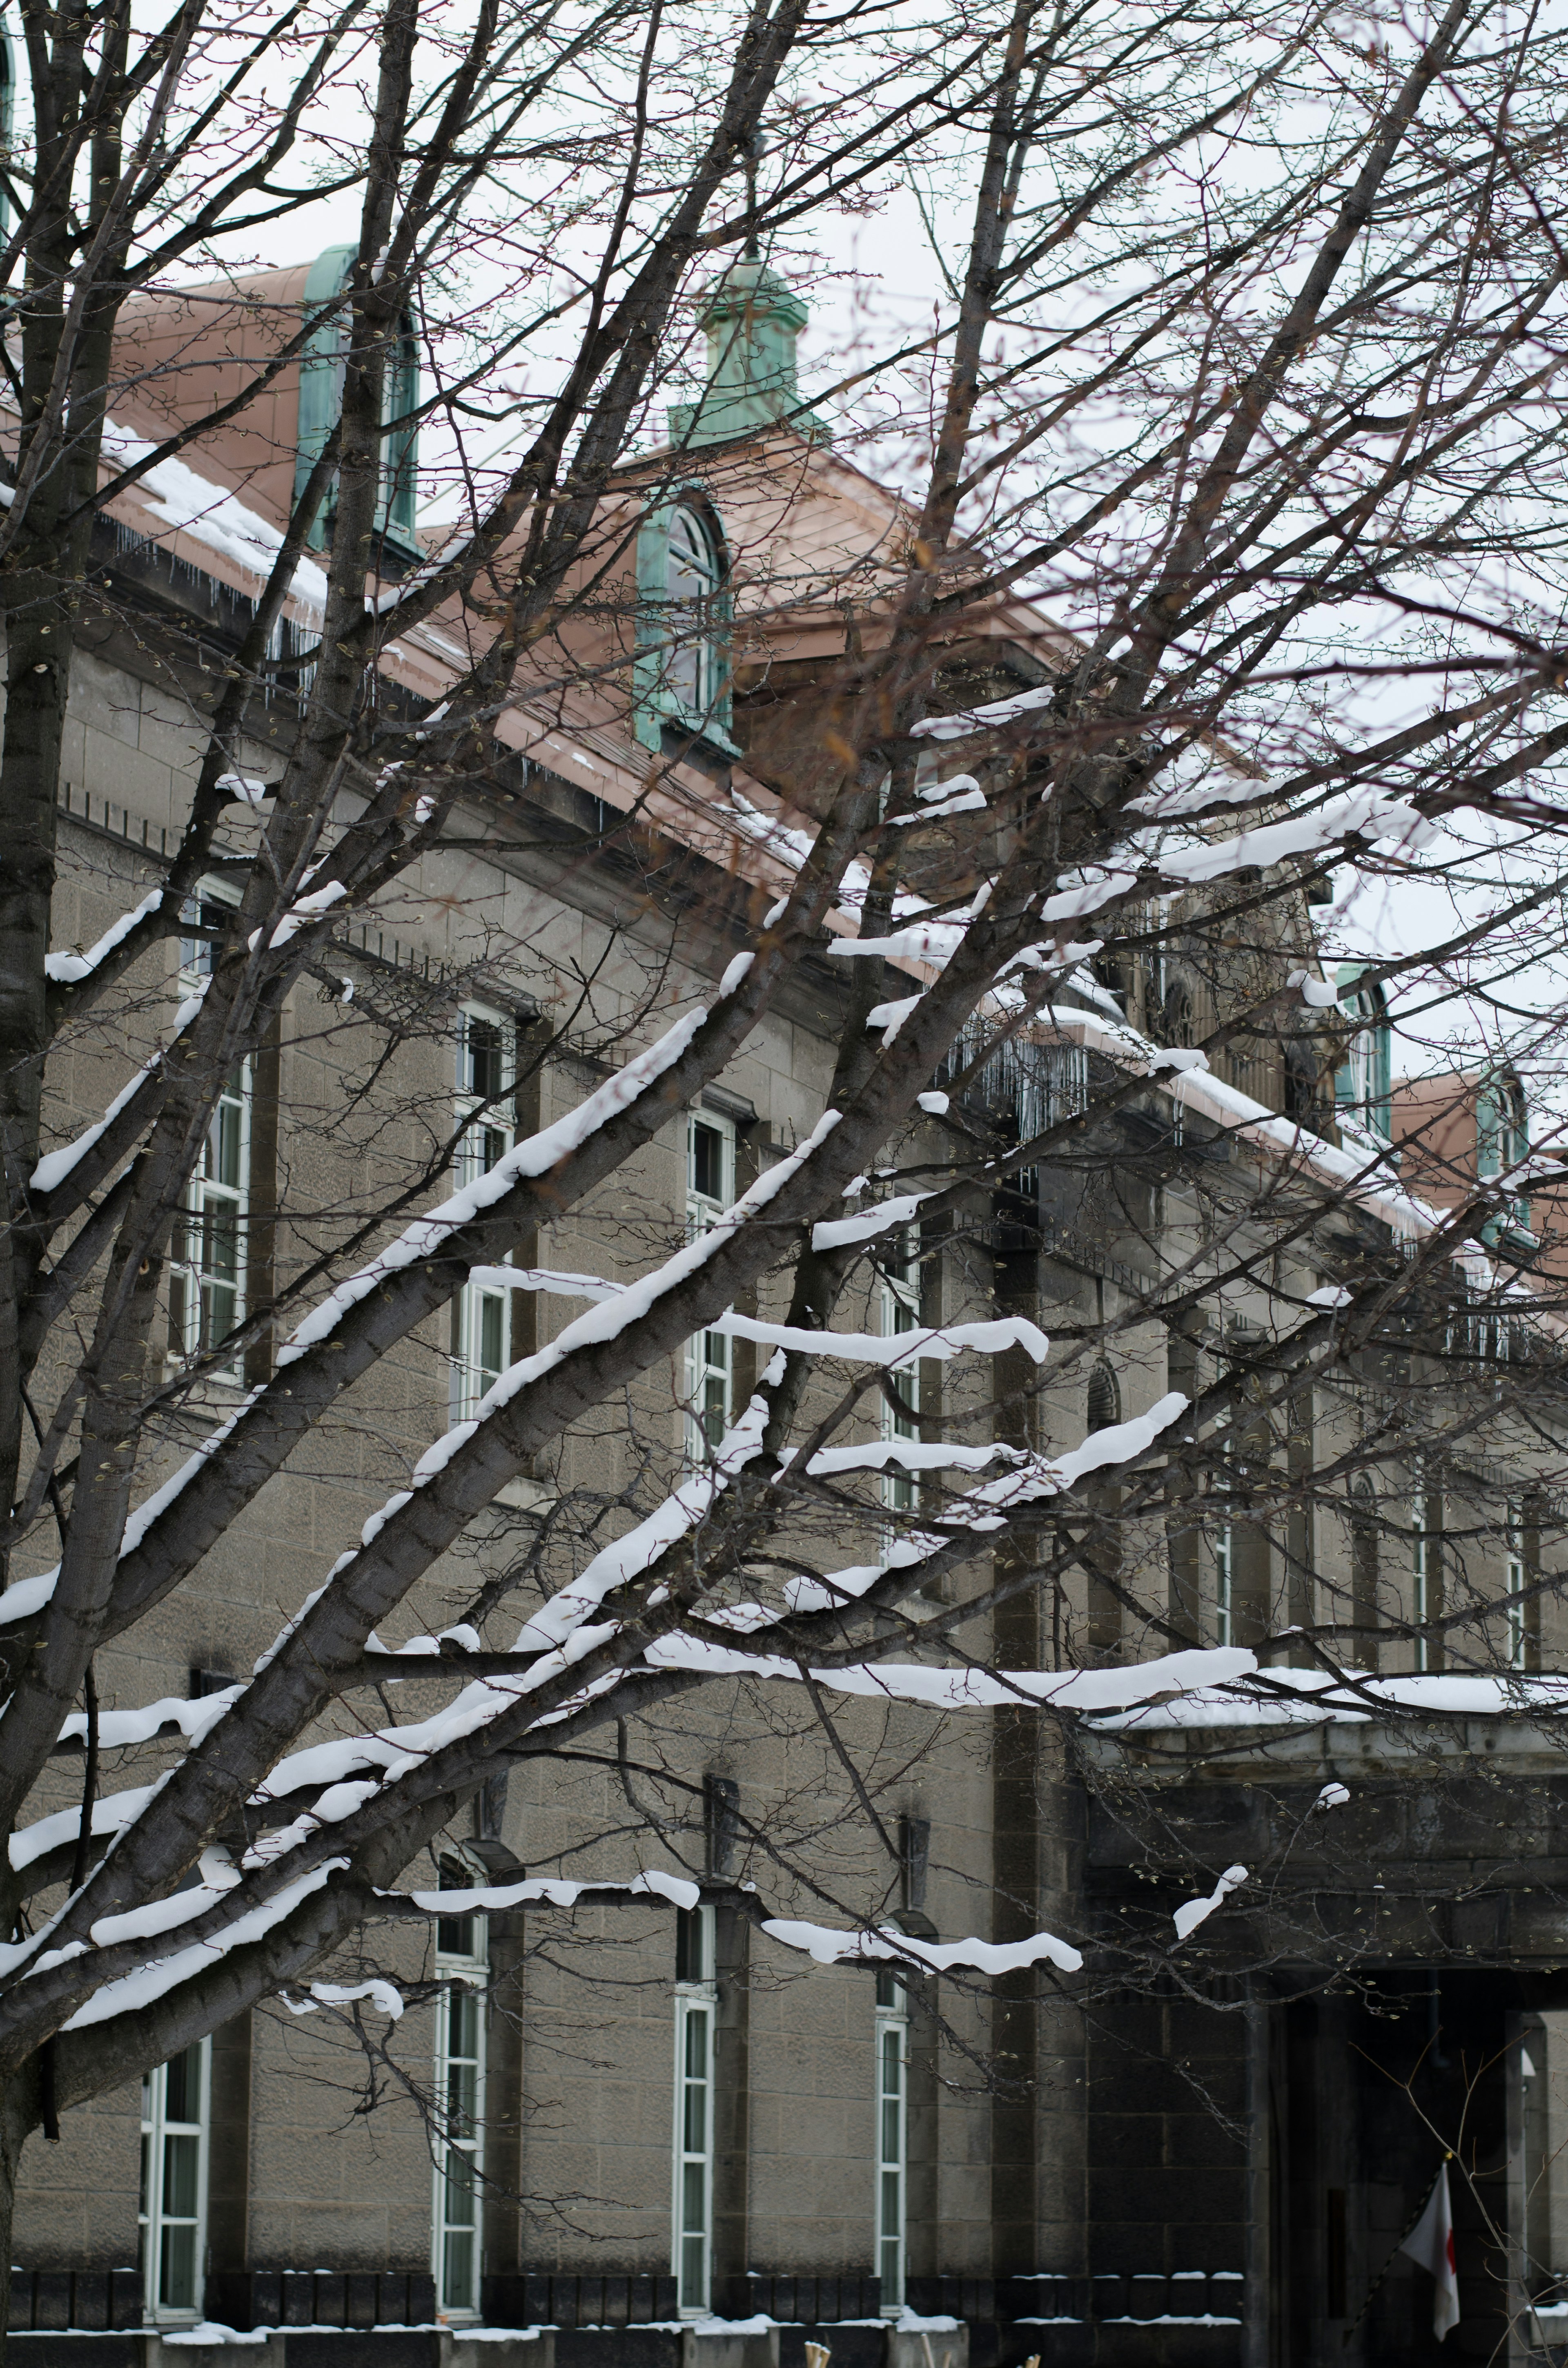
480,1308
465,1971
1515,1578
156,2222
709,1381
1224,1550
1420,1561
694,582
193,1283
899,1311
691,2184
891,2096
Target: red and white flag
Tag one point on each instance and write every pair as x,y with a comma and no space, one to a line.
1431,2242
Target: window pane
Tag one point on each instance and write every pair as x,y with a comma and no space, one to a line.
454,1935
707,1162
176,2279
181,2161
182,2094
222,1153
491,1356
890,2204
457,2269
485,1072
461,2189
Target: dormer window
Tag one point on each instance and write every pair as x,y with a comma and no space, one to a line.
320,401
1503,1139
696,670
1362,1086
683,663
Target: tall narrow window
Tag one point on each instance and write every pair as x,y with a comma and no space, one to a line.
1364,1572
1420,1565
207,1248
481,1312
696,2005
893,2135
693,674
1102,1413
900,1311
462,1954
173,2216
1225,1537
1515,1569
709,1188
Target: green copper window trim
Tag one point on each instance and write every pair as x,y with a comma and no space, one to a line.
321,393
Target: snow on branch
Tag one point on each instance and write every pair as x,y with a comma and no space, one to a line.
826,1947
383,1994
840,1233
71,969
1188,1918
111,1811
56,1165
427,1237
151,1982
551,1890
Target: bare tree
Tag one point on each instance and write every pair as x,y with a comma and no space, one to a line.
1246,378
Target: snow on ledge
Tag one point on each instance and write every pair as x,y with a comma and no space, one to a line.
1320,1700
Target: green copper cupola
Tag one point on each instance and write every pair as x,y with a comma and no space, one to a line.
752,321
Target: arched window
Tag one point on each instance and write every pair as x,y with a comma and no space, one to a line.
1105,1399
1503,1137
1178,1025
693,578
321,400
1363,1086
682,674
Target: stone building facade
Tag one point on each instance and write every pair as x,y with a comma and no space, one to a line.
679,2136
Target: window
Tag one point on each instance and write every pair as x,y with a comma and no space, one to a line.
696,2004
1362,1087
1224,1577
462,1952
682,673
900,1311
893,2135
207,1248
321,400
1364,1573
1420,1564
1102,1412
172,2215
696,669
481,1323
709,1188
1503,1139
1515,1580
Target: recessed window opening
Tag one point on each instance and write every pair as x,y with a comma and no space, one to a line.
696,2006
892,2136
482,1318
898,1298
207,1247
693,672
1420,1564
709,1189
1515,1569
462,1953
173,2213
